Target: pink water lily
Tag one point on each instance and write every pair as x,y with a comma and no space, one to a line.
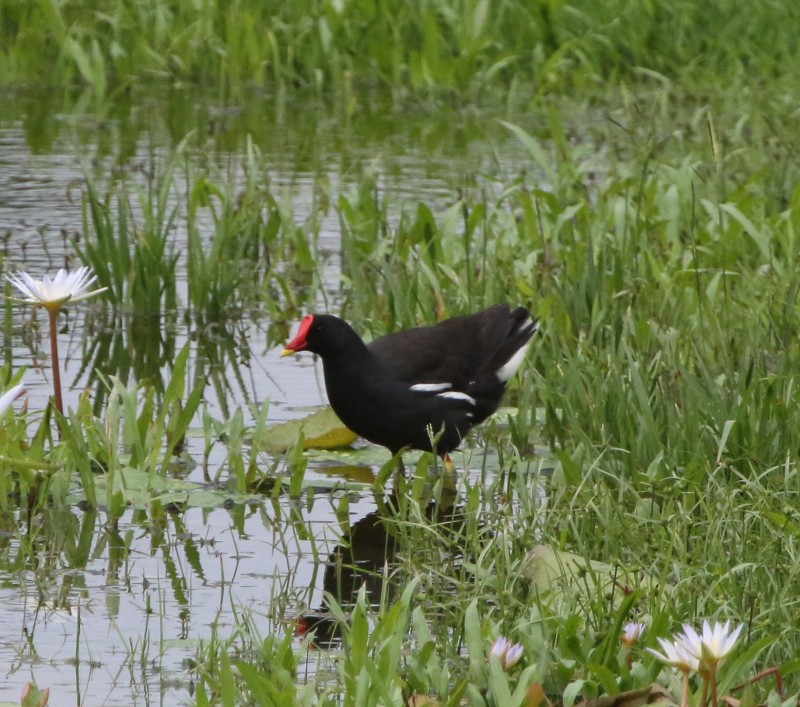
509,654
631,632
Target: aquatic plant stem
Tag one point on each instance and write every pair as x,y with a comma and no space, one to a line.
704,694
713,680
685,690
53,314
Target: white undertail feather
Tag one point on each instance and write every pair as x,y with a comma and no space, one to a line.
510,367
504,373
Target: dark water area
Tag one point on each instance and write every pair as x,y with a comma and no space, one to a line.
115,616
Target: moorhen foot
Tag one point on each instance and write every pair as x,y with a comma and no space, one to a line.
410,387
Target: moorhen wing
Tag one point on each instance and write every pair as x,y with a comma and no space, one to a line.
405,388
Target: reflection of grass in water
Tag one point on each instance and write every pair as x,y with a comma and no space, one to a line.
659,248
240,257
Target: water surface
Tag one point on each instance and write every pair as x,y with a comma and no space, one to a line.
113,617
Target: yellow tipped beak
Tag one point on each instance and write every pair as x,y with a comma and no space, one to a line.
287,352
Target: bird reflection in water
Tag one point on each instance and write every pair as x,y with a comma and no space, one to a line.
368,557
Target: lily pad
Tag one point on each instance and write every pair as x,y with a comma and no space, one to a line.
368,455
321,430
139,489
563,574
359,473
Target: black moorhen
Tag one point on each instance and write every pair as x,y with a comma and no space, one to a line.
406,387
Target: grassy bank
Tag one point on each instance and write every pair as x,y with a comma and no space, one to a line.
413,50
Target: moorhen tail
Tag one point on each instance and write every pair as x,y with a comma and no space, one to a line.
405,388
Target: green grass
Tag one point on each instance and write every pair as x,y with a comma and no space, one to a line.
665,278
653,230
666,282
663,382
441,48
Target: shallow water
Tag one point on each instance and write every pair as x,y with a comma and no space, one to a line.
113,617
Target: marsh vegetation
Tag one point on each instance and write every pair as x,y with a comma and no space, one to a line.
628,173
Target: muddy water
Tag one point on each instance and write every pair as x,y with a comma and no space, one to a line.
116,616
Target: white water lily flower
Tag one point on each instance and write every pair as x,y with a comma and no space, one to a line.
713,645
10,396
631,632
678,654
66,286
53,294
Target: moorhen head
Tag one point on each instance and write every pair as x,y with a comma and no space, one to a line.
410,387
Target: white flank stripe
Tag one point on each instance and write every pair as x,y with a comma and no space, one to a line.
455,395
431,387
510,367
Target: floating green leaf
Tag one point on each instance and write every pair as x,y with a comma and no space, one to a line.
560,574
139,489
320,430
